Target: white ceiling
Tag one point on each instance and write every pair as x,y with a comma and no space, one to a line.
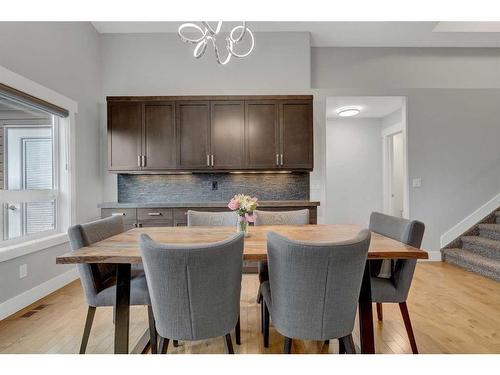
353,34
370,106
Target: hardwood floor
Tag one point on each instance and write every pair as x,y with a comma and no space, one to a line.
452,311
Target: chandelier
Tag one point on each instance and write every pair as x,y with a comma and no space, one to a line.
206,34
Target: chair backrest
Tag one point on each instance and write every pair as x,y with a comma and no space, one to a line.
211,219
194,289
299,217
94,276
315,286
409,232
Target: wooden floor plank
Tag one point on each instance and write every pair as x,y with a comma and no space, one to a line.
452,311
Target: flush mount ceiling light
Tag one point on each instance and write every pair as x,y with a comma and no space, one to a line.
205,34
348,111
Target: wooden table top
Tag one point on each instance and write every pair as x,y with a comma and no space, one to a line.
124,247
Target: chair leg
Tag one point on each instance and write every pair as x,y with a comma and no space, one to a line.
228,344
237,332
266,326
287,347
380,314
341,346
86,330
152,331
348,343
176,343
262,317
409,329
163,345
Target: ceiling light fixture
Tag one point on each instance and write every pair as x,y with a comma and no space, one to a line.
348,111
203,35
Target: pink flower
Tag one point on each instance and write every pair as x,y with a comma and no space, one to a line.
249,218
234,204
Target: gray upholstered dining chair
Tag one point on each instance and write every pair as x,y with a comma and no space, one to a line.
215,219
298,217
98,280
211,219
313,288
394,287
195,289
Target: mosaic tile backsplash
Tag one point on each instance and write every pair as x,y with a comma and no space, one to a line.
200,187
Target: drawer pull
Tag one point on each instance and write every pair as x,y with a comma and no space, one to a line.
118,214
154,213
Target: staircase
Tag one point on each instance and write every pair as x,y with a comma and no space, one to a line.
478,250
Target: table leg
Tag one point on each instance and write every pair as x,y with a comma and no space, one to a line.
366,314
122,308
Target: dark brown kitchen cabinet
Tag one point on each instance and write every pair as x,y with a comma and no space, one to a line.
193,132
227,130
124,136
262,135
296,135
159,146
210,133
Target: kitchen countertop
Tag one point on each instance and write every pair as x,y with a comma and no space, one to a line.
205,204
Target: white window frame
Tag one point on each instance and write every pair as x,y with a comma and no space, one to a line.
38,195
65,172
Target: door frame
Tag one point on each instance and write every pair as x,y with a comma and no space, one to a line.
386,134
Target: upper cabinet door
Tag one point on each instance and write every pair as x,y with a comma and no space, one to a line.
159,146
124,136
262,135
227,146
296,135
193,132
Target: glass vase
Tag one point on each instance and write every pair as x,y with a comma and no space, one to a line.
242,226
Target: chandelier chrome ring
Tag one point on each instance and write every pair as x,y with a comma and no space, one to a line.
188,39
209,34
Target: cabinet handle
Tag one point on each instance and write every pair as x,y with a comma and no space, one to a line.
143,160
118,214
154,213
212,158
139,161
277,160
281,159
208,160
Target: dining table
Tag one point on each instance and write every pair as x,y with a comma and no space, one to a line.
123,251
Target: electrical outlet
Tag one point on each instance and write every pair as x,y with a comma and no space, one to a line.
417,182
23,271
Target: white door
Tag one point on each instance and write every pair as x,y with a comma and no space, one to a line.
396,174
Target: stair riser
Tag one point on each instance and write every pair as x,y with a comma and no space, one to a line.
482,250
491,234
457,261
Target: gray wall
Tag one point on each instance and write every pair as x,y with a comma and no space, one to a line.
63,57
453,133
353,169
160,64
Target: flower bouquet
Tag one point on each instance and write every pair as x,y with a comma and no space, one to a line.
244,205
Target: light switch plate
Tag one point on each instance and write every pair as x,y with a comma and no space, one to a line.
23,271
417,182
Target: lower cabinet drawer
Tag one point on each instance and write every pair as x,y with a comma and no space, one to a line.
158,214
128,214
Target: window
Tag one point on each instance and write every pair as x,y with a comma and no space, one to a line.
29,166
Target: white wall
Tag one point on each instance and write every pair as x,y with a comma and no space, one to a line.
353,170
161,64
65,58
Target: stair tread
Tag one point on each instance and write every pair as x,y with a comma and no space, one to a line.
477,240
495,227
475,259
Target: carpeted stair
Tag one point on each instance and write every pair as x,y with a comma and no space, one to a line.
478,250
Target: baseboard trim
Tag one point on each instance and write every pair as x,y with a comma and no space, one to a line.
24,299
471,220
